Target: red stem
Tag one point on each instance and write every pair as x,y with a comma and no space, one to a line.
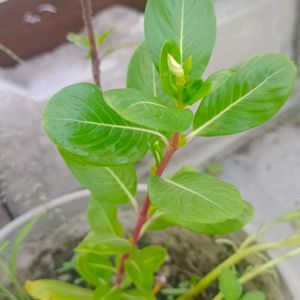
143,215
86,7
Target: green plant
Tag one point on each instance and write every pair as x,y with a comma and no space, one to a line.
101,135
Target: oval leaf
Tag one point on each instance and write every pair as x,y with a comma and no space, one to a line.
190,23
147,110
255,91
191,197
229,285
103,217
78,120
142,75
111,184
56,290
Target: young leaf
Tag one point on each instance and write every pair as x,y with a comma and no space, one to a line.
103,244
56,290
146,110
195,198
254,93
103,217
142,75
112,184
16,245
254,296
229,285
78,120
94,268
79,40
167,78
143,263
190,23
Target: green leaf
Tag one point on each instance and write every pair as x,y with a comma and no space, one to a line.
229,285
254,93
56,290
167,79
254,296
103,244
107,292
103,37
94,269
78,120
190,23
79,40
195,198
143,76
17,243
112,184
142,264
103,217
147,110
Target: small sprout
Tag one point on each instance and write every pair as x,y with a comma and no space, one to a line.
174,67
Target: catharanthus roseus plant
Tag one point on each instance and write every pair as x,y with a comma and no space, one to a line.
103,134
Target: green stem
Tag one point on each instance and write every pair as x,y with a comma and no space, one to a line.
233,260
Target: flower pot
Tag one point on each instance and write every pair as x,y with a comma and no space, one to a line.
63,224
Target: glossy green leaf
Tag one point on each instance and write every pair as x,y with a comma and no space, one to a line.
103,217
78,120
110,184
195,198
103,244
142,75
147,110
229,285
256,295
94,268
254,93
190,23
142,264
56,290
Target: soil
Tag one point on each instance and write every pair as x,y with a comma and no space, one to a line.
189,254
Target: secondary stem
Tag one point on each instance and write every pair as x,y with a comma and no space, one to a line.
143,215
87,19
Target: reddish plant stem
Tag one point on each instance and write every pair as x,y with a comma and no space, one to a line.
143,215
86,7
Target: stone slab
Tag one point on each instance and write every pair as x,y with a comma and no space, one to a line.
30,166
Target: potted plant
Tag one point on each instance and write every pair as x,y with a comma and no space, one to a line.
101,135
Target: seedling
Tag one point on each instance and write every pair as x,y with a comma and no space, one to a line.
103,134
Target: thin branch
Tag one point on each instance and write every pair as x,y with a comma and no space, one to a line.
143,216
86,6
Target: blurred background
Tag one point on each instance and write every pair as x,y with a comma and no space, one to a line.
36,60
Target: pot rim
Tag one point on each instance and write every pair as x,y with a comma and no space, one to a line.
285,269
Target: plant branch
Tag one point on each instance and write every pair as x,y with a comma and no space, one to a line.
143,215
86,7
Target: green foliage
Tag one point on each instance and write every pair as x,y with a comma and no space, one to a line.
190,23
56,290
147,110
229,285
209,201
101,135
254,93
111,184
78,121
142,264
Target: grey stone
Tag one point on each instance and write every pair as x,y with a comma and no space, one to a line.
31,168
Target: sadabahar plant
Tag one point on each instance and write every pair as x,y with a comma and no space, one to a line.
102,134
